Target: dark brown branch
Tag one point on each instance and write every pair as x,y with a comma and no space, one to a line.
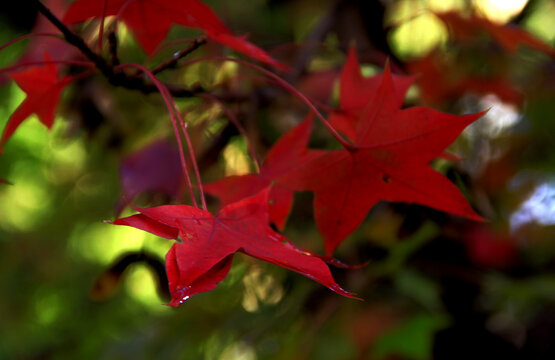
75,40
172,62
113,47
114,76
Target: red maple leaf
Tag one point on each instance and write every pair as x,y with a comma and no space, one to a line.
150,21
288,152
393,148
203,258
508,36
43,89
356,91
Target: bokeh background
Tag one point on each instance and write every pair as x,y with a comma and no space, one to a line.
436,286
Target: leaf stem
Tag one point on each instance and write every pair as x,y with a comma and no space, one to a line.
346,144
46,62
168,101
26,36
101,27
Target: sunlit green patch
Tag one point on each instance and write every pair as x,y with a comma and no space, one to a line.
141,284
48,307
239,350
540,22
103,243
418,36
25,204
236,158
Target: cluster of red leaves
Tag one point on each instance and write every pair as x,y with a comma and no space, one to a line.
386,158
149,20
389,161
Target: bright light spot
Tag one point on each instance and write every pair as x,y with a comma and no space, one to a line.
500,10
23,205
238,351
418,36
500,117
65,159
539,208
236,158
445,5
260,288
227,71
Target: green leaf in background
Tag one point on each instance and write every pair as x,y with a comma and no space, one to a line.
412,339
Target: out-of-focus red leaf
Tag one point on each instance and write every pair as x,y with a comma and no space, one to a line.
288,152
150,21
489,248
240,44
43,89
58,49
390,162
356,92
317,85
508,36
154,168
442,82
204,256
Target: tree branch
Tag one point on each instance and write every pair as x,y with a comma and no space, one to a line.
172,62
115,77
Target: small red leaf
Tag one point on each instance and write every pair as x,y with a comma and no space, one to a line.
43,89
287,153
489,248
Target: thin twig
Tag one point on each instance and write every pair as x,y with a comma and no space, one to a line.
113,43
114,75
101,27
170,105
172,62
